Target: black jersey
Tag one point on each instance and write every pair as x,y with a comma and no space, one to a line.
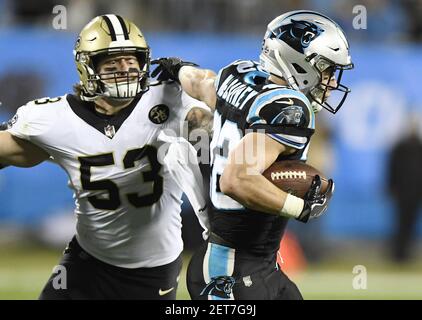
247,102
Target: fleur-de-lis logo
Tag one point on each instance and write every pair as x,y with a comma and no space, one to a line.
159,114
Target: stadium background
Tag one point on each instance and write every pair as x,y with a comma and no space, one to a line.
353,146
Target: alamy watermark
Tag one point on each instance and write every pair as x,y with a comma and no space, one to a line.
360,280
60,19
360,20
60,280
250,152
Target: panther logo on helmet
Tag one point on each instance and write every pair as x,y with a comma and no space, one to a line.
298,34
303,48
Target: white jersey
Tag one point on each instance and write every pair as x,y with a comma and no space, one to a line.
127,202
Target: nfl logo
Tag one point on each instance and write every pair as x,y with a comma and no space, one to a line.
110,131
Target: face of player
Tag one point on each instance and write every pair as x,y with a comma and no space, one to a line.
118,66
329,79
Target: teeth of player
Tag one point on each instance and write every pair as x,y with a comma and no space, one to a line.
288,175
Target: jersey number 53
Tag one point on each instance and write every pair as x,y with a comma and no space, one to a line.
113,201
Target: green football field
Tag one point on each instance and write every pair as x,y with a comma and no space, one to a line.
24,270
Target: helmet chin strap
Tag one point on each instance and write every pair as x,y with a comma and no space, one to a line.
316,107
315,96
122,90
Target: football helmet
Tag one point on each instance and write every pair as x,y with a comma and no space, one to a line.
300,46
109,35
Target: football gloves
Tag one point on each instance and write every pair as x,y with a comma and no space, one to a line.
316,203
168,68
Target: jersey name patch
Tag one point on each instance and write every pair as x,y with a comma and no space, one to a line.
159,114
235,92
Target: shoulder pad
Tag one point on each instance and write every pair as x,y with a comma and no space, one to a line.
281,106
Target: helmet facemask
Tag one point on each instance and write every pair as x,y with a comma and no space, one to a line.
116,85
337,94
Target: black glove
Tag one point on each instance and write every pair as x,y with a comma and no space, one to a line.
3,126
168,68
316,202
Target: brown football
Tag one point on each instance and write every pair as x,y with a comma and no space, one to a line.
294,176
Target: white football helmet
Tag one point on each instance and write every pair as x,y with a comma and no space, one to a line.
298,46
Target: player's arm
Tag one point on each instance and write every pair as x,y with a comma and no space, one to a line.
243,181
199,84
242,178
18,152
199,118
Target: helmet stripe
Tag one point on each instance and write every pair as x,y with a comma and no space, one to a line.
110,28
125,32
116,25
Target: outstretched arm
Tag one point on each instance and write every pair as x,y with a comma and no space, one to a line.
18,152
199,84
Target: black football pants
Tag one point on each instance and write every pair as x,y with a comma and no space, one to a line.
81,276
217,272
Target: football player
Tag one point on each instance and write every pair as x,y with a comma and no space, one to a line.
268,106
108,139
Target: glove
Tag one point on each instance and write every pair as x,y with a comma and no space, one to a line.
316,203
3,126
168,68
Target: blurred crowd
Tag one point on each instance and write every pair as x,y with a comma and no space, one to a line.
387,20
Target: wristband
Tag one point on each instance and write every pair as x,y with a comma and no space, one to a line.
293,207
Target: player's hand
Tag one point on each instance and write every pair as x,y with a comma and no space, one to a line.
168,68
316,203
3,126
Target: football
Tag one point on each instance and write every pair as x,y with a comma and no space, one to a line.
294,176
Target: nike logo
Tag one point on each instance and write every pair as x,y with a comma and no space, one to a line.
163,292
334,49
289,102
